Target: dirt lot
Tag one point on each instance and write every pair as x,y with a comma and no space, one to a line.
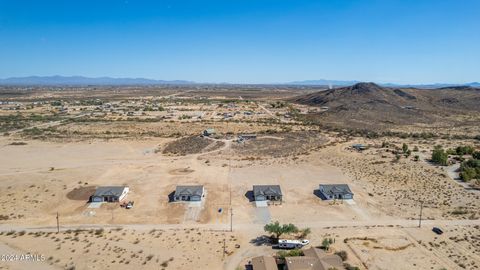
281,144
122,249
192,145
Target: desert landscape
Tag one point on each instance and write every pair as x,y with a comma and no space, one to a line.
58,146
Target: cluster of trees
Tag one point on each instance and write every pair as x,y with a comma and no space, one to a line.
469,169
277,230
278,104
461,150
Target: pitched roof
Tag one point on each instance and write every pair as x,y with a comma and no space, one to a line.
109,191
264,263
314,259
336,189
189,190
267,190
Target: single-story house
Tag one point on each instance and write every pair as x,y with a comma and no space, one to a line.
208,132
264,263
336,191
314,259
267,193
109,194
189,193
359,147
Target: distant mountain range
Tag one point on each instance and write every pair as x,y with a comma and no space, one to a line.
337,83
83,81
324,82
80,80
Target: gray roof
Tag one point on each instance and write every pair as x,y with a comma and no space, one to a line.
336,189
267,190
209,130
109,191
189,190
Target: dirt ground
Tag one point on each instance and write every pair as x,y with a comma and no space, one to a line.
59,177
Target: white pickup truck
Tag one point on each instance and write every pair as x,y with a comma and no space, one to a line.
289,244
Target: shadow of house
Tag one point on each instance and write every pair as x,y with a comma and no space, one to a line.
171,197
249,196
319,194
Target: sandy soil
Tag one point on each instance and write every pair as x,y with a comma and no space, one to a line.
40,178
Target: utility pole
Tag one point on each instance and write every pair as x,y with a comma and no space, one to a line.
58,224
224,248
420,219
231,219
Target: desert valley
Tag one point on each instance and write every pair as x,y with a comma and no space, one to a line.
203,169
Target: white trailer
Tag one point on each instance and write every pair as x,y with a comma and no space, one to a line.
289,244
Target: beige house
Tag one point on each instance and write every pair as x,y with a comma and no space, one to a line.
313,259
264,263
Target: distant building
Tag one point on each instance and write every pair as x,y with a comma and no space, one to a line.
245,137
208,132
189,193
109,194
336,191
359,147
267,193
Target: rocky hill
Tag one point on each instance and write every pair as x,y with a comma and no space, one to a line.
368,104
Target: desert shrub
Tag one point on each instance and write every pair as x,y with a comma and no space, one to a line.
404,148
459,212
439,156
470,169
464,150
350,267
291,253
342,254
326,243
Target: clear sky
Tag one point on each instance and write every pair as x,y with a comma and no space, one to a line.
244,41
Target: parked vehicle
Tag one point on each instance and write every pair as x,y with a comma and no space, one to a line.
437,230
290,244
129,205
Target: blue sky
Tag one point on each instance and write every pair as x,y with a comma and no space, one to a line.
244,41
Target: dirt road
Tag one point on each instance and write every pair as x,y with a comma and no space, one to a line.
249,226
